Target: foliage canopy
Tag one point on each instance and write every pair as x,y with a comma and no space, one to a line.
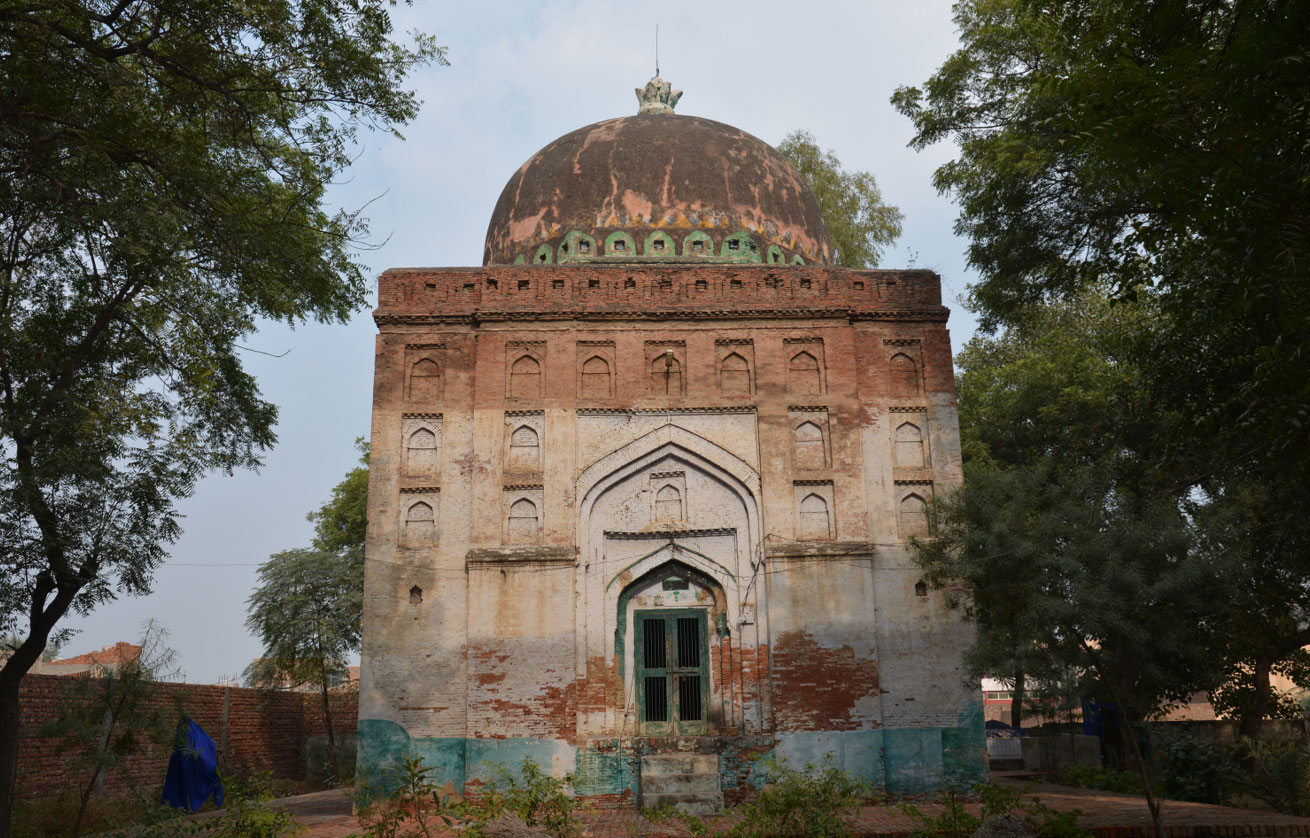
860,224
163,166
1157,147
1155,154
1080,552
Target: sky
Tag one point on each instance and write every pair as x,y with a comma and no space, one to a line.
521,75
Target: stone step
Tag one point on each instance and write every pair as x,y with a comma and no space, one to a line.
692,804
680,764
679,784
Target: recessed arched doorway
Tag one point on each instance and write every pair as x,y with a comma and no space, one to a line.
672,628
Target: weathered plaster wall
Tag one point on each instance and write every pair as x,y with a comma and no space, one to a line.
811,413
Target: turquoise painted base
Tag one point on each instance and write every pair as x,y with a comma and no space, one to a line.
384,744
902,761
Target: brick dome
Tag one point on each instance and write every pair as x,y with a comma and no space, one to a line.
657,187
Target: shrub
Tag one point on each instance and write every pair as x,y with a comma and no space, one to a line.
822,802
1104,779
112,816
1279,775
956,822
249,814
413,807
541,800
1196,769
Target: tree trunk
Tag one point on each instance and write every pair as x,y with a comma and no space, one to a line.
1254,715
1126,726
10,712
1016,700
1143,770
43,618
332,738
86,798
11,676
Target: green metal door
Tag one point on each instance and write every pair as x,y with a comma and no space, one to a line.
673,684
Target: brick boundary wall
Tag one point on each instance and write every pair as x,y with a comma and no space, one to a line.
255,730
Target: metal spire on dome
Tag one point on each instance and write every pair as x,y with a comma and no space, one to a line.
658,96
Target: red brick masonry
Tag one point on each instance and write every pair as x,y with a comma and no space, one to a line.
655,292
255,730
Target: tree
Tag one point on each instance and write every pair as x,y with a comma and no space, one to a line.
1079,549
341,524
164,165
115,712
309,604
1156,152
859,223
1157,147
306,611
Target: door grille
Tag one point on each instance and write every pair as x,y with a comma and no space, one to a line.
672,675
689,709
657,698
655,657
688,641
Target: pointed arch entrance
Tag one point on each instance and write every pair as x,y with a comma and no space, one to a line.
666,579
672,624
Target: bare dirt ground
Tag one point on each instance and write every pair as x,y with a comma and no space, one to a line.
1109,815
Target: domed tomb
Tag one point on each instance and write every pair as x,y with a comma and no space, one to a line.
660,187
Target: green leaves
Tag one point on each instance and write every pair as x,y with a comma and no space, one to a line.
860,225
1150,151
1072,532
306,611
164,165
162,174
341,524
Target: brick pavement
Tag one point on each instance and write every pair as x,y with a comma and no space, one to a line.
1109,815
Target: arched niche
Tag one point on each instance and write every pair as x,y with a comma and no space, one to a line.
524,450
909,446
525,377
425,380
904,375
670,441
595,378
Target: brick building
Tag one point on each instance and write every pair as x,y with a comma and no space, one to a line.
641,485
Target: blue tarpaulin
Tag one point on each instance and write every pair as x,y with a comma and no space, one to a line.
192,770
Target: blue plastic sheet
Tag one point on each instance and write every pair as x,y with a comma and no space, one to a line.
192,776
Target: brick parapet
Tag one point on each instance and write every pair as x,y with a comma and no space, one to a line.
261,730
652,292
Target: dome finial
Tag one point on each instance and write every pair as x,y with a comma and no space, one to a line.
657,97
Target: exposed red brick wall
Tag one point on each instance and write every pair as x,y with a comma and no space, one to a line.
345,713
658,291
820,688
265,731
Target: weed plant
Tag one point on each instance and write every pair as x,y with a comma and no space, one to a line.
1103,779
1279,774
955,821
417,807
822,802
